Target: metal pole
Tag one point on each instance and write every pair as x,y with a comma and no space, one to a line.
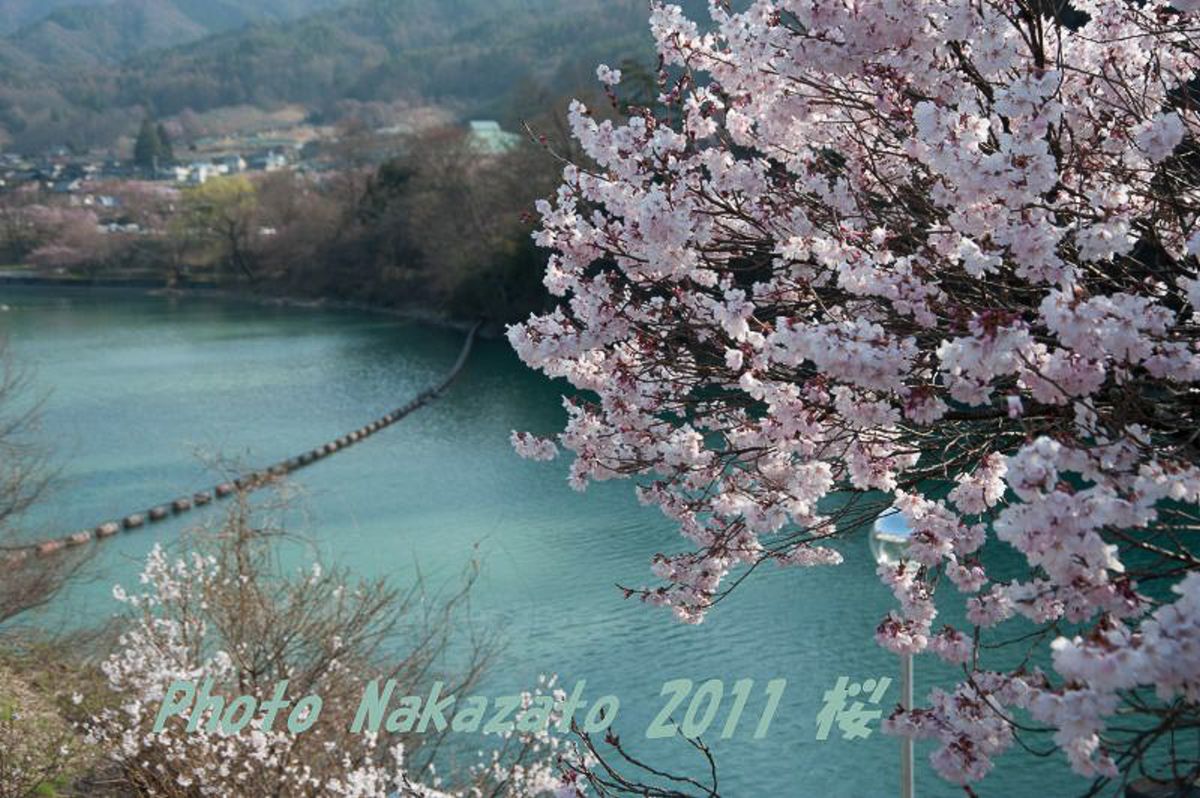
906,743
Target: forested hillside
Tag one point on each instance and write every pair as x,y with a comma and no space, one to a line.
65,34
16,14
472,55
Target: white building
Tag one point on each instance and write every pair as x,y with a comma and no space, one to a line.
488,138
201,172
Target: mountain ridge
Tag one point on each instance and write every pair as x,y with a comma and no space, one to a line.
470,56
84,34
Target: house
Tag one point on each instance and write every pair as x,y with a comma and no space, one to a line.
488,138
200,172
271,161
231,164
66,186
114,169
128,228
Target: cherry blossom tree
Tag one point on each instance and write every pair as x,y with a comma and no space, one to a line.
227,614
71,237
940,256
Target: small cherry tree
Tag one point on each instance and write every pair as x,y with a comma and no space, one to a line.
229,616
937,254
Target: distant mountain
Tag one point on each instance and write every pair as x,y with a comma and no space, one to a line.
16,14
62,35
88,36
466,50
472,55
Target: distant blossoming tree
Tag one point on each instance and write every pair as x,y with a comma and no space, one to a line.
942,254
71,237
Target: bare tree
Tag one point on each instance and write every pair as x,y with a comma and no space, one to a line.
26,581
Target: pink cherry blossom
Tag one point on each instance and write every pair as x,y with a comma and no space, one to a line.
943,251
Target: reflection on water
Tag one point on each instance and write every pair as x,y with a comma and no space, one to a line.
145,390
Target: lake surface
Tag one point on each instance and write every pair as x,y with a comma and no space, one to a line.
144,391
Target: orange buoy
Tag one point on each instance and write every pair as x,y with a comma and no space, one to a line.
50,547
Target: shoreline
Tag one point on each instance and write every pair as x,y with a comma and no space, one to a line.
153,287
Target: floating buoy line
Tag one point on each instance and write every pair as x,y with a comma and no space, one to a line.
247,483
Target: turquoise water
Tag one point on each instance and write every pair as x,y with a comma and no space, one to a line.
143,391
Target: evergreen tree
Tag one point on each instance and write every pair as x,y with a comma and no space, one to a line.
148,150
166,152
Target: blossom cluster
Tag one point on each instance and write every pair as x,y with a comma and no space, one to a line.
164,645
944,251
171,638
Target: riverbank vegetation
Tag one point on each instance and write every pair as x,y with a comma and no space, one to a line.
435,222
